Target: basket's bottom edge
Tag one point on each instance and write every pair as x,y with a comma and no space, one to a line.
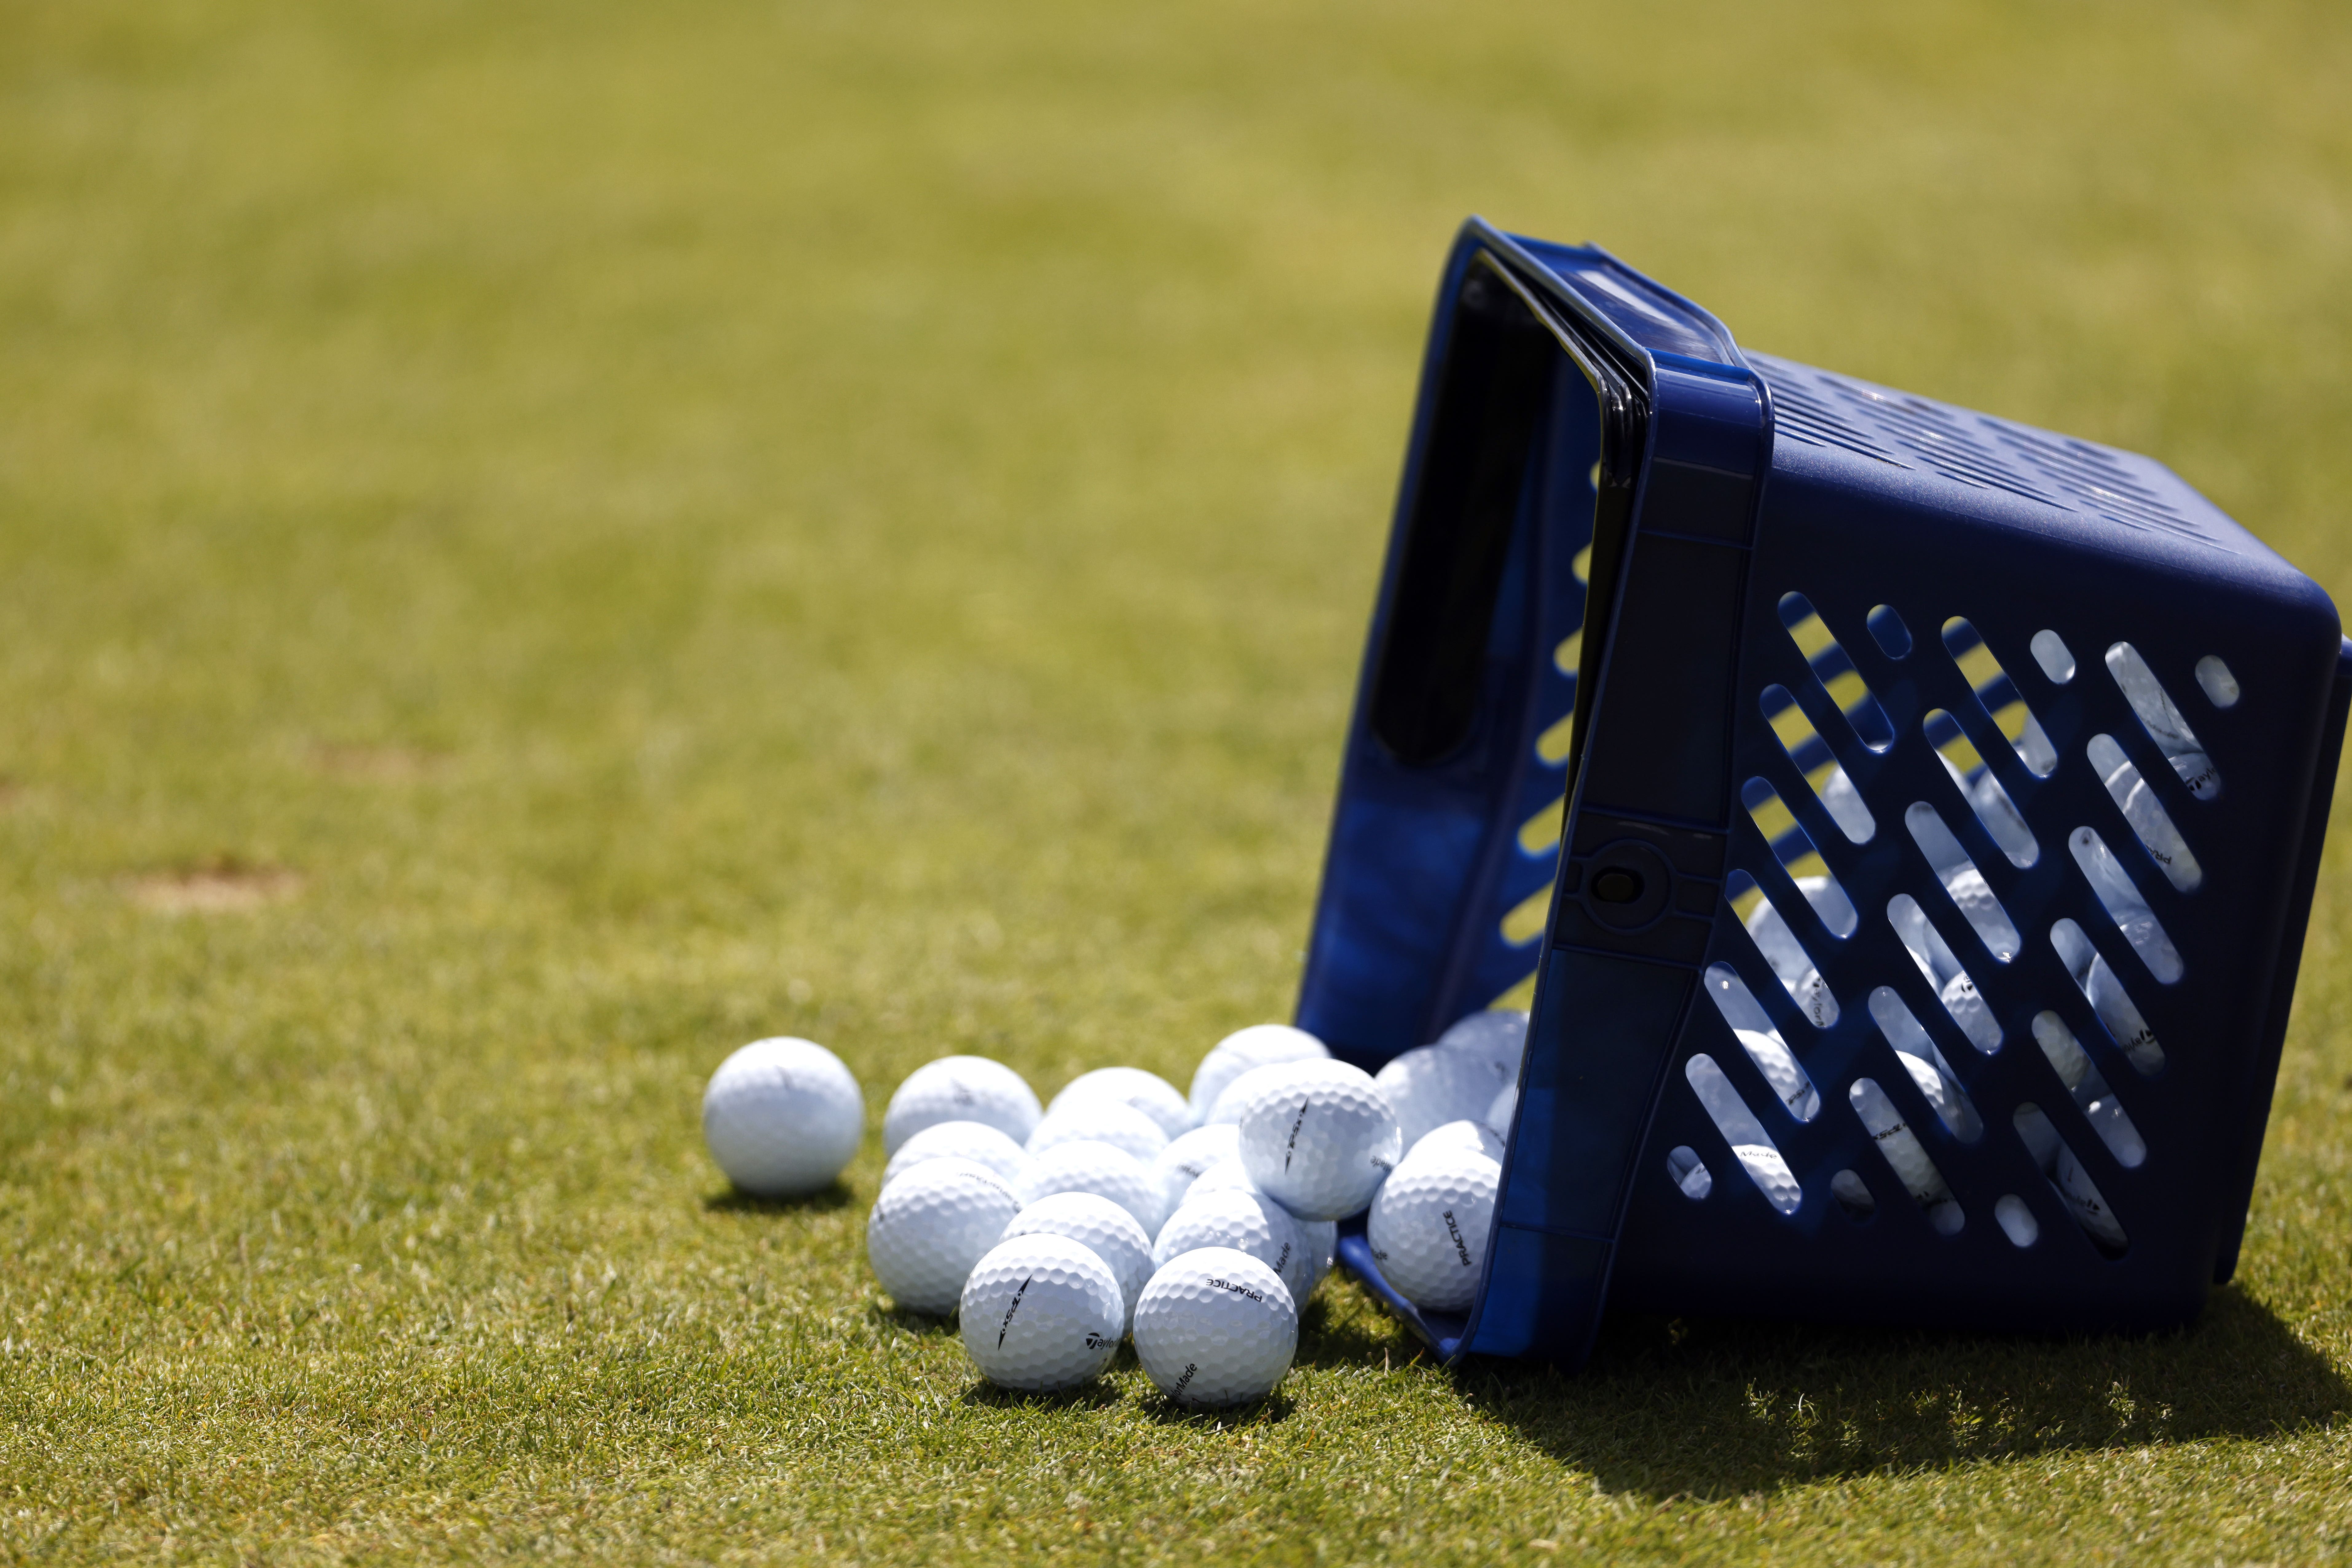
1444,1332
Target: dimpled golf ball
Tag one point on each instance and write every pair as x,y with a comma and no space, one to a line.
1497,1035
1101,1226
1246,1222
1320,1138
1260,1044
961,1088
1110,1121
1322,1236
1214,1328
782,1116
1505,1110
931,1224
1041,1313
1465,1135
1103,1169
974,1141
1432,1085
1227,1111
1189,1156
1224,1177
1429,1225
1147,1092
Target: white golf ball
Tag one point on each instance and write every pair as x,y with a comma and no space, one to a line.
1497,1036
974,1141
782,1116
1246,1222
1322,1236
1111,1121
1188,1157
1320,1138
931,1224
1260,1044
1429,1226
1214,1328
1432,1085
1224,1177
1505,1110
1474,1137
1102,1226
961,1088
1103,1169
1227,1111
1041,1313
1147,1092
2081,1195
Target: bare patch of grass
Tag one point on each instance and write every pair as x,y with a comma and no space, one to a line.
221,885
377,765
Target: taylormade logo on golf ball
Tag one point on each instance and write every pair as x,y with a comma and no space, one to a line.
1002,1329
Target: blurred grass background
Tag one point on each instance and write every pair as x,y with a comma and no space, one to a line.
539,542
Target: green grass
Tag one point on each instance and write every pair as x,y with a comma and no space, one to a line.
619,529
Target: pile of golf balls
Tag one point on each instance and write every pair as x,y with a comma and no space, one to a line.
1197,1224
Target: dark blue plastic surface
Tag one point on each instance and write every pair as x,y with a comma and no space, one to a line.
1932,544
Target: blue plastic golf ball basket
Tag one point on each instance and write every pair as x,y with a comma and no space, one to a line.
1902,824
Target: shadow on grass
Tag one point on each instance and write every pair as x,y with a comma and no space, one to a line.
825,1200
1707,1409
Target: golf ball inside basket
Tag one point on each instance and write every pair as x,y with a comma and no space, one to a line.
961,1088
1107,1171
1497,1035
1146,1091
974,1141
1432,1085
1216,1327
1246,1222
1474,1136
782,1116
1429,1226
1104,1228
931,1224
1041,1313
1320,1138
1260,1044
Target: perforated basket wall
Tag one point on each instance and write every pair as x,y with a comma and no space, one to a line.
1904,844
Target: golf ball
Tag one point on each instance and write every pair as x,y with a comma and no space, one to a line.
1103,1169
1497,1035
1505,1110
1320,1138
1041,1313
1216,1327
974,1141
1246,1222
1432,1085
1429,1226
1224,1177
1146,1091
930,1226
1260,1044
1227,1111
961,1088
1102,1228
1475,1137
782,1116
1111,1121
1189,1156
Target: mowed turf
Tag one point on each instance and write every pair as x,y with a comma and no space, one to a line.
539,542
